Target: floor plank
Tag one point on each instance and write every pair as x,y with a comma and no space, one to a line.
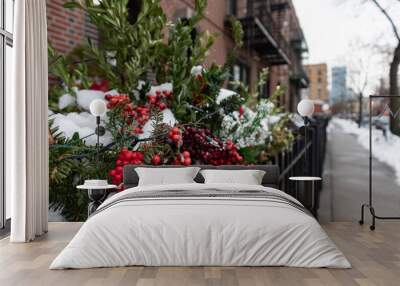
375,257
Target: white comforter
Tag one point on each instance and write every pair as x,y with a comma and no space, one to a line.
206,231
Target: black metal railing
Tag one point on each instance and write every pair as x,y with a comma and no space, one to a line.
303,159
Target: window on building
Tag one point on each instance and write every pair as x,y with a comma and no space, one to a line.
240,72
231,7
6,65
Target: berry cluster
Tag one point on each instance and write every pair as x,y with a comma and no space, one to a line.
209,149
125,157
175,136
140,114
159,99
130,112
183,159
117,100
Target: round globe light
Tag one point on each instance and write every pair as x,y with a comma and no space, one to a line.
305,108
325,107
98,107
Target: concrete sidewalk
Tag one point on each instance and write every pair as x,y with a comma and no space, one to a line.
346,178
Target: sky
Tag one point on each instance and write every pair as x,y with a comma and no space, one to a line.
347,32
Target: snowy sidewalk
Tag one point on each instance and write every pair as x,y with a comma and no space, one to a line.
346,180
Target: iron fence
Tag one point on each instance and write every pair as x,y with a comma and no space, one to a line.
304,159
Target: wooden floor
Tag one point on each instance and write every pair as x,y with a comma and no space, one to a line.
375,257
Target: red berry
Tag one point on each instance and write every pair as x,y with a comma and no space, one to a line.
140,156
127,155
241,110
119,170
152,99
187,162
167,94
138,130
175,130
176,137
156,160
118,178
112,173
162,106
119,163
186,154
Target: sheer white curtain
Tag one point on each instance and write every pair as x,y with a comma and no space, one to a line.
27,142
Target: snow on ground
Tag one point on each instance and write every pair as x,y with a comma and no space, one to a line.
384,149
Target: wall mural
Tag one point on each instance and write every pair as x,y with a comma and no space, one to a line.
163,106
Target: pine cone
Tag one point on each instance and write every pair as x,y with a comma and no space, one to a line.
160,133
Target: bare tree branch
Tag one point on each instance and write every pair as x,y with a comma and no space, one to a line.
388,17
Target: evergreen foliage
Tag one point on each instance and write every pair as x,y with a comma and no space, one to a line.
129,52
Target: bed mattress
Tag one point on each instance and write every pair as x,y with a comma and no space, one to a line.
201,225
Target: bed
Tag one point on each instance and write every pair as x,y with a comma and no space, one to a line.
198,224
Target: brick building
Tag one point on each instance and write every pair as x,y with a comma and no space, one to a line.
318,88
273,38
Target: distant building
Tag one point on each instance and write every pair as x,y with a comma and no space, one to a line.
318,88
339,90
351,94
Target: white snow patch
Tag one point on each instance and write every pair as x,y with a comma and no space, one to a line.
224,94
112,92
141,84
84,123
66,100
196,70
385,150
163,87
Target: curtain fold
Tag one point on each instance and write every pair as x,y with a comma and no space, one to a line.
27,122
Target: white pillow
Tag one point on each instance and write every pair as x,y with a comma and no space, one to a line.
166,176
247,177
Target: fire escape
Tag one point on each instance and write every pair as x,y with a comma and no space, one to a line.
299,46
264,35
